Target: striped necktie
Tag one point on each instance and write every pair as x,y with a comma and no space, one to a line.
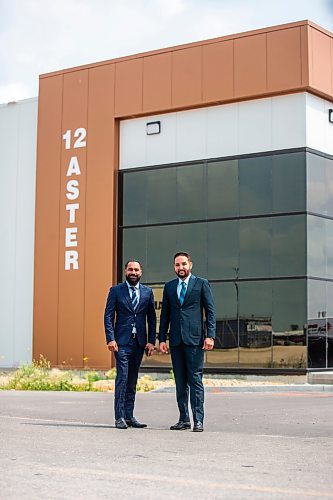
134,298
182,293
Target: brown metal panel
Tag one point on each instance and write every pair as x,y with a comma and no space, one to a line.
218,71
100,212
284,69
321,70
47,219
305,54
250,66
187,77
157,82
71,282
128,88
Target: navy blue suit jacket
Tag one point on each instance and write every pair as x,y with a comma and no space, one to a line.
119,316
186,322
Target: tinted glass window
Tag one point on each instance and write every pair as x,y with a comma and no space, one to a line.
316,246
255,248
161,246
222,186
289,184
317,324
289,245
255,186
225,299
316,182
191,192
329,248
134,198
161,188
192,238
223,249
135,247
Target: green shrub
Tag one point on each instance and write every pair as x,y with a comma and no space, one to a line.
111,374
145,384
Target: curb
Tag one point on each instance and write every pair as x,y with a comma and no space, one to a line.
257,388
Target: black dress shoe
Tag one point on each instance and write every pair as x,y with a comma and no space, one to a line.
198,427
120,423
132,422
181,426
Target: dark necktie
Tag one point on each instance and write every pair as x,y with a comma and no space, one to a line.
135,299
182,293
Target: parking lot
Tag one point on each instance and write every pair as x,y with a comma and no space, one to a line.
255,445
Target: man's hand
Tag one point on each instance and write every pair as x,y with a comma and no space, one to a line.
163,348
149,349
208,344
112,346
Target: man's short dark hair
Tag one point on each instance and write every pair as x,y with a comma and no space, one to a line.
133,260
185,254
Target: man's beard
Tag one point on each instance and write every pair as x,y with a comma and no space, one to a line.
133,280
183,273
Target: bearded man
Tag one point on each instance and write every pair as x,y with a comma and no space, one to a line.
129,307
185,300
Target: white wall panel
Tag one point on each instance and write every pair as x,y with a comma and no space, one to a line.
288,121
221,130
191,135
18,131
319,131
255,126
133,150
161,148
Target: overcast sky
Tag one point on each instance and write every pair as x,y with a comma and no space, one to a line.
39,36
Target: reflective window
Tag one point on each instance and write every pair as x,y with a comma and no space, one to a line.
288,322
223,249
255,312
192,238
255,248
135,246
161,187
222,189
255,185
134,198
329,312
289,245
317,192
329,248
191,192
317,324
161,246
288,177
316,229
225,352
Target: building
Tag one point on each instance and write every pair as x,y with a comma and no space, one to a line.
223,148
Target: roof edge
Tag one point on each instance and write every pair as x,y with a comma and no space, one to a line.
188,45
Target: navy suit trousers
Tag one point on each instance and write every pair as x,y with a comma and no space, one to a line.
128,360
187,363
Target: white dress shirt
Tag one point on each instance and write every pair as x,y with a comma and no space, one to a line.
179,286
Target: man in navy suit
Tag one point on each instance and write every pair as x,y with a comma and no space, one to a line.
185,300
129,307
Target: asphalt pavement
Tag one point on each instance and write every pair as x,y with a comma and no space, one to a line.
256,445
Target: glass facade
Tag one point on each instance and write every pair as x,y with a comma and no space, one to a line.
259,229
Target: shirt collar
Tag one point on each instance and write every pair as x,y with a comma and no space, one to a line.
135,286
185,281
